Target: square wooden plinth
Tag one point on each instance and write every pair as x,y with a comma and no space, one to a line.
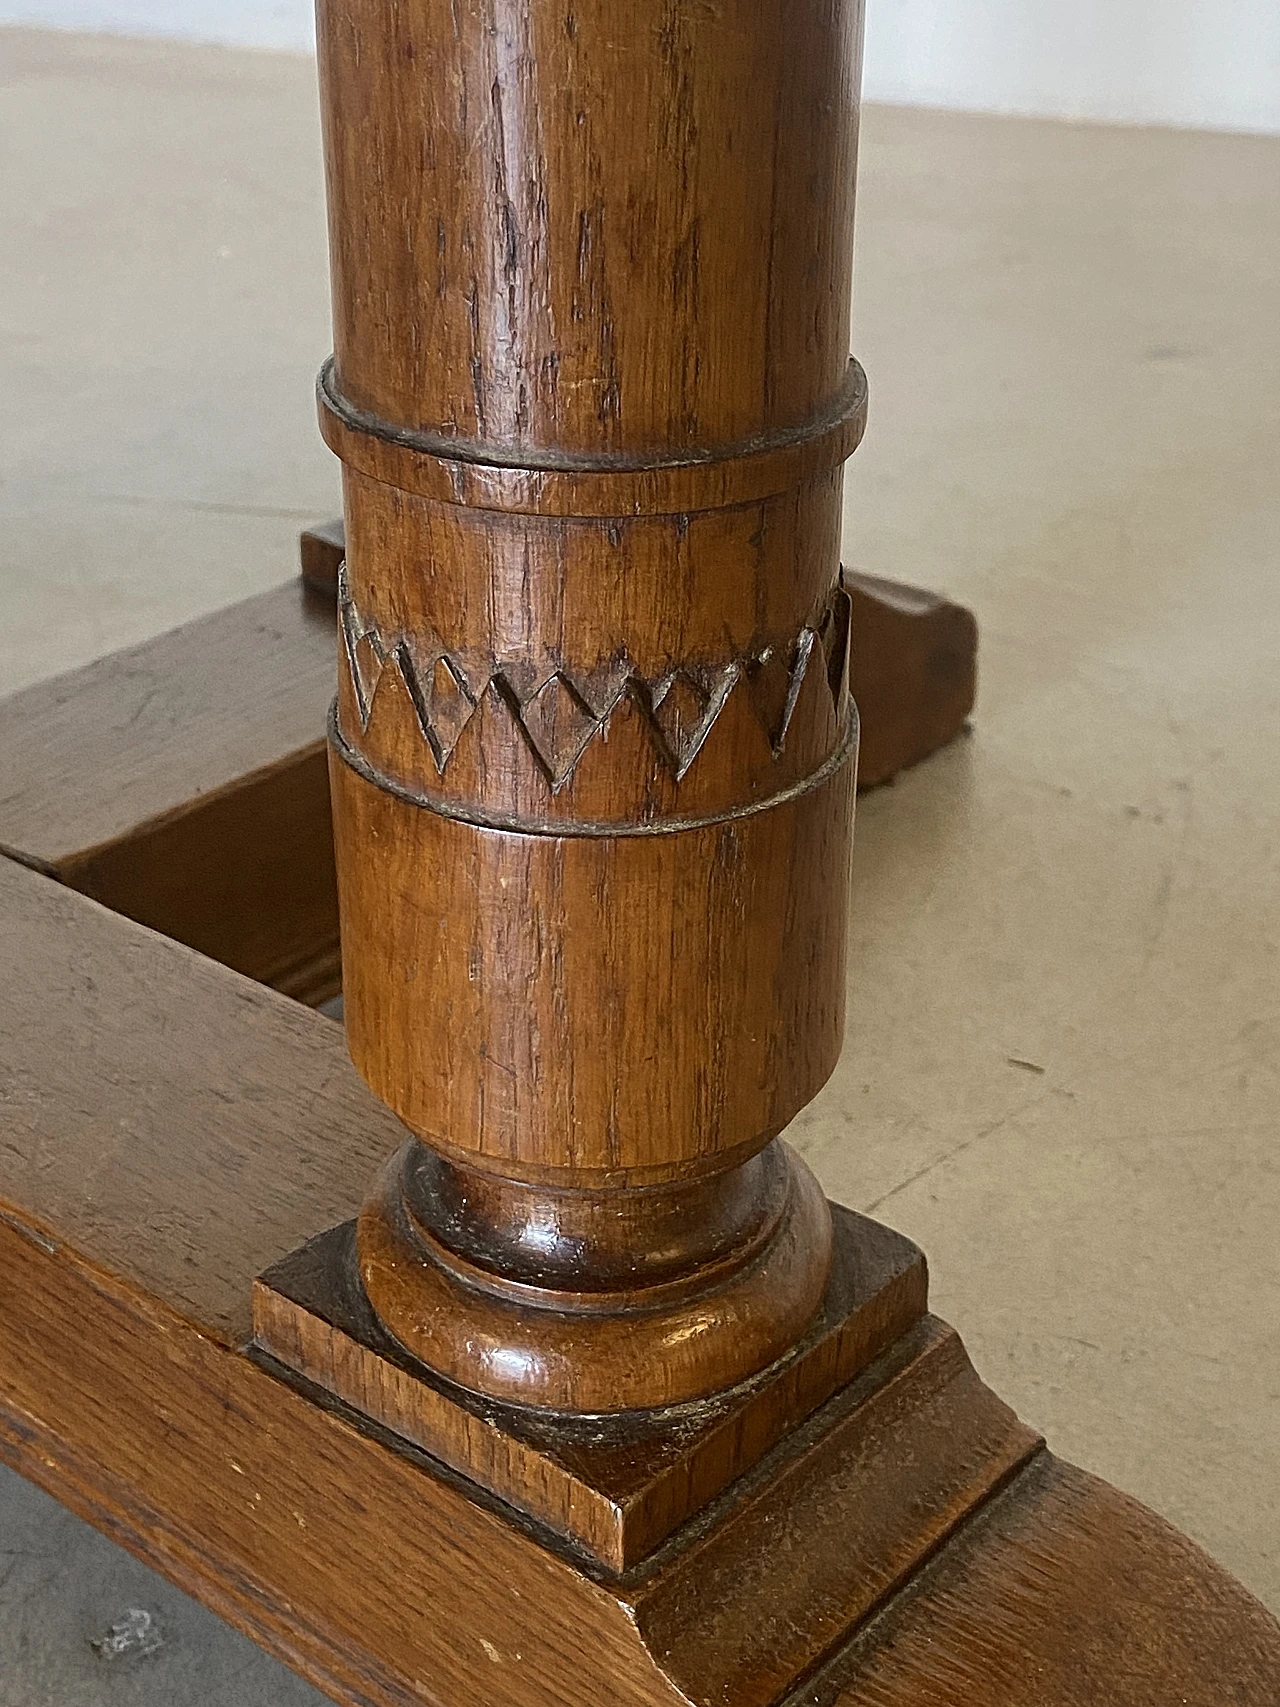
614,1488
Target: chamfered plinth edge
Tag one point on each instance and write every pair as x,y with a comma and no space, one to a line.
615,1486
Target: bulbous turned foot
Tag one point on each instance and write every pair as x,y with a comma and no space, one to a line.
588,1302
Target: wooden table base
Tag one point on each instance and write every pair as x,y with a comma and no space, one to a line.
549,1378
170,1129
614,1487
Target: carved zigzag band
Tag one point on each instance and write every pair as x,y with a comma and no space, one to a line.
559,714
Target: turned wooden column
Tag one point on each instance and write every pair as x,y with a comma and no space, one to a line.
593,750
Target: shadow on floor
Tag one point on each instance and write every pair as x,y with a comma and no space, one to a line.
83,1624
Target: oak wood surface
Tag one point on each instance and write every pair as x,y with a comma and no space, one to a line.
593,745
1064,1593
166,1127
181,1077
628,232
616,1486
183,783
592,608
484,1040
127,1253
128,740
593,762
912,660
913,669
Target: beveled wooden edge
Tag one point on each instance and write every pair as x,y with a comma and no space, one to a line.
183,782
270,1508
125,1391
1064,1592
126,1388
312,1532
455,471
616,1486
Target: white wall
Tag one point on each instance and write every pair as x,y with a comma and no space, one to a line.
240,23
1210,63
1213,63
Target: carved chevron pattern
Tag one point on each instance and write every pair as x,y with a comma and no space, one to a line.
559,714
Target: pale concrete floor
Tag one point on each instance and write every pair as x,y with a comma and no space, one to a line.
1073,338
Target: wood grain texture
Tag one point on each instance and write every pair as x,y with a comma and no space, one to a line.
509,994
559,701
912,662
593,744
374,1577
375,1574
614,1486
914,670
126,1256
571,962
570,483
182,782
627,231
143,1090
166,1126
1065,1593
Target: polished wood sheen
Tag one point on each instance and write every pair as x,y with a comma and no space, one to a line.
913,660
572,962
183,782
172,1129
576,1343
593,753
546,1376
610,232
614,1487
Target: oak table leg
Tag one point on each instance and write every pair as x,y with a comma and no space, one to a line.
593,753
545,1374
593,761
